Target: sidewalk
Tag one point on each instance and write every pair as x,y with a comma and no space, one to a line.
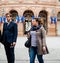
22,56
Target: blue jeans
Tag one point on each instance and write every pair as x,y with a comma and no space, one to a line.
32,53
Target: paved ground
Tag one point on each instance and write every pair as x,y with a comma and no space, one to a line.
22,56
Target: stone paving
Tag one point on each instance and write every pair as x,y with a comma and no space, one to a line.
22,55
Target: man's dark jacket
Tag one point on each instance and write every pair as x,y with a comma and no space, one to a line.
9,32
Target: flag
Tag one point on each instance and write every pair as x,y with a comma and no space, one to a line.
22,18
53,19
0,19
33,17
18,18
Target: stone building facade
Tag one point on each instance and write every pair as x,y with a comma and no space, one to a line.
43,8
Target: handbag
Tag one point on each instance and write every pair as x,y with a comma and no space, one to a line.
28,43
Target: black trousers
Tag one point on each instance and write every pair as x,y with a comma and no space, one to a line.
9,53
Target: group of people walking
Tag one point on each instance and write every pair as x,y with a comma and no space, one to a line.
38,39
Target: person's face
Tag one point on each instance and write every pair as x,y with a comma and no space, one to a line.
34,23
8,17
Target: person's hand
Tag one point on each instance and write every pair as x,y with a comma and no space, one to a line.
44,48
11,44
14,43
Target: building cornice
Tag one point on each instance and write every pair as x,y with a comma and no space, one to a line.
29,3
50,4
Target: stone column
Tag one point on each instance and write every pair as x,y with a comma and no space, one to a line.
20,29
51,27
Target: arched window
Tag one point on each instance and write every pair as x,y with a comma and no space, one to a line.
58,16
58,23
28,18
14,14
59,0
43,14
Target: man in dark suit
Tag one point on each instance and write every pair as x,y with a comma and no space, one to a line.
9,38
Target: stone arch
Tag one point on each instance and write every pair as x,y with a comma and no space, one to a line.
28,18
58,16
28,12
44,15
58,23
14,14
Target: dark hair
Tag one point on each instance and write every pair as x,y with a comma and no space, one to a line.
37,20
9,14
